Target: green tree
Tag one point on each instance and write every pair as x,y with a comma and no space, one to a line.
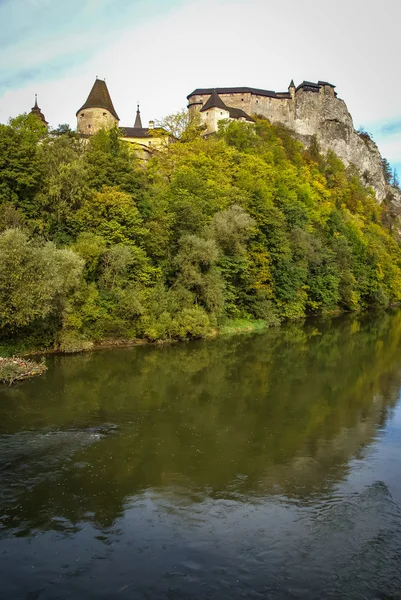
35,279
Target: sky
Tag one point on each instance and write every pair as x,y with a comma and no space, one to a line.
158,51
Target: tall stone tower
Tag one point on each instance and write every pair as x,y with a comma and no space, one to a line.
98,111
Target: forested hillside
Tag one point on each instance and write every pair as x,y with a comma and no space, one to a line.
97,244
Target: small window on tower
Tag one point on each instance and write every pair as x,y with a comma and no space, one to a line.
105,114
89,126
82,114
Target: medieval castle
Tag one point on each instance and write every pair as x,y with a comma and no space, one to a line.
311,110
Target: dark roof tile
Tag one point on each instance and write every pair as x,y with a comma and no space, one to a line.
234,90
214,101
238,113
99,97
35,110
138,132
138,121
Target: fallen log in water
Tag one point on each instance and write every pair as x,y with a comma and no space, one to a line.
16,369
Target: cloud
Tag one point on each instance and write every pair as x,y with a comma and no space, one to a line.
61,33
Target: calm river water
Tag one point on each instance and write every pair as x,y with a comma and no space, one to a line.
258,466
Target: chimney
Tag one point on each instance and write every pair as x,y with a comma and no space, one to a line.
151,124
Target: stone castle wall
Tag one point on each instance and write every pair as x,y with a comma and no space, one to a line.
91,120
212,117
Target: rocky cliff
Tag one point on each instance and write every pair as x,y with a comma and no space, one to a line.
328,118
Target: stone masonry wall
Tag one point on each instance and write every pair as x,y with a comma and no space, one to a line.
211,117
91,120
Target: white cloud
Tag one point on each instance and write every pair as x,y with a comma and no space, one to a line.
258,43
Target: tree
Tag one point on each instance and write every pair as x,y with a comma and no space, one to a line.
180,126
35,279
196,262
109,161
64,186
113,215
387,172
64,129
21,169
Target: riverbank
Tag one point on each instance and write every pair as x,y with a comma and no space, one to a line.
16,369
233,327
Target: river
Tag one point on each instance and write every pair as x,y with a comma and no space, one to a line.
265,465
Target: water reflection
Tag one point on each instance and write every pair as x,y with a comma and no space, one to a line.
212,443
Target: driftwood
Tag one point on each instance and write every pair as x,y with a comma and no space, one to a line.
16,369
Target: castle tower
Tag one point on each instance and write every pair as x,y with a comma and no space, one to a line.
98,111
138,120
35,110
291,89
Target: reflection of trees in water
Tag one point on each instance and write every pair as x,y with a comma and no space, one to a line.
278,412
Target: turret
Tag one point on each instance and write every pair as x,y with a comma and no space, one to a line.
327,88
291,89
35,110
138,120
98,111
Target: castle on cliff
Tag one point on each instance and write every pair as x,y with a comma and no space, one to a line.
240,103
310,110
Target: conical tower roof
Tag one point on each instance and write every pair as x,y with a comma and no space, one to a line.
214,101
138,121
99,97
35,110
292,84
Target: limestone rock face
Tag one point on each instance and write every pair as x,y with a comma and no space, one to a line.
328,118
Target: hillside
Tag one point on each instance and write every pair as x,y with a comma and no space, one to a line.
247,225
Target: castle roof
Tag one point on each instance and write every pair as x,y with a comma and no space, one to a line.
99,97
313,85
214,101
233,90
258,92
292,84
135,132
35,110
138,121
237,113
309,84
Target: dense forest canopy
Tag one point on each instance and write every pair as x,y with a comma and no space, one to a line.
96,243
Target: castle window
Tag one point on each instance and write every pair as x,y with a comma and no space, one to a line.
105,114
82,115
89,126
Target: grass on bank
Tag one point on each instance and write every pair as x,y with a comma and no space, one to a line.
242,326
